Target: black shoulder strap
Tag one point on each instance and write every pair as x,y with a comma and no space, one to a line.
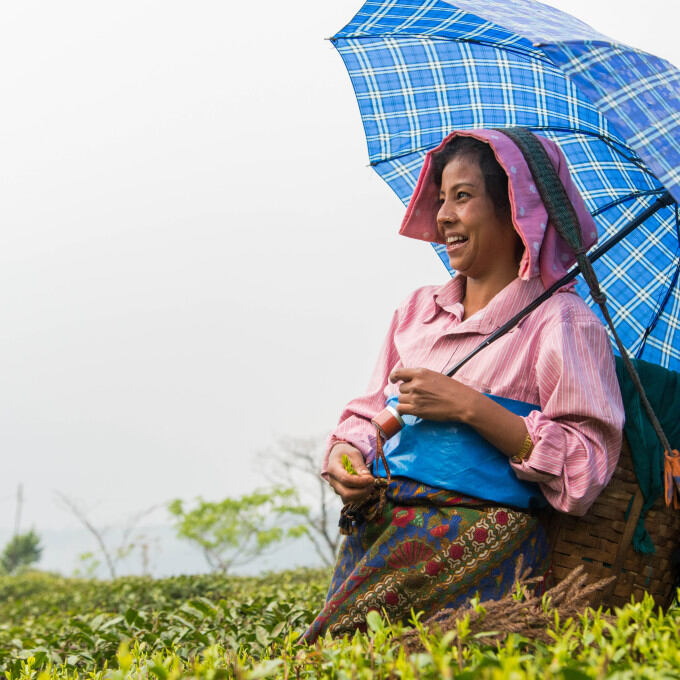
565,221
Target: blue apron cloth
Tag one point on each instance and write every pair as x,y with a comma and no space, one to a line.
452,456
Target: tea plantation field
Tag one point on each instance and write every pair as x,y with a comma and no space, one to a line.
211,627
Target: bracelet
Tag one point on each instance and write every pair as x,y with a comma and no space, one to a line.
525,450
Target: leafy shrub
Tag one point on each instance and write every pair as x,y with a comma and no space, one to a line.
20,551
81,623
212,627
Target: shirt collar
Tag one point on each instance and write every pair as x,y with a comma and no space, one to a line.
502,307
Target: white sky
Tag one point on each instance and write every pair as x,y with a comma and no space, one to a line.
194,256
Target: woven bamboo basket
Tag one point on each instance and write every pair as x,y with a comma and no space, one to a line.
602,542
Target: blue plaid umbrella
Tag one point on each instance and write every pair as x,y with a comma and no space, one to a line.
421,68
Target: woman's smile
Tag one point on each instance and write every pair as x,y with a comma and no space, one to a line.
454,242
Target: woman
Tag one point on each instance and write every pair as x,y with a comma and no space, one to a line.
543,398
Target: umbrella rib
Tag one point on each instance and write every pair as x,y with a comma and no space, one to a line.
620,148
628,197
659,311
609,141
667,296
524,52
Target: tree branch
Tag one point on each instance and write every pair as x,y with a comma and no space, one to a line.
296,460
80,515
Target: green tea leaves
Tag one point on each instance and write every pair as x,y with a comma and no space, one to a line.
347,464
216,627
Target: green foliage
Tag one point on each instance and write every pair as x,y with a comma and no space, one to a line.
89,563
78,624
212,627
238,530
347,464
21,550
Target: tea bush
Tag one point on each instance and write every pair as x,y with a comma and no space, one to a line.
211,627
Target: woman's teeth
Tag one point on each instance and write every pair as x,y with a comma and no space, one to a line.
455,239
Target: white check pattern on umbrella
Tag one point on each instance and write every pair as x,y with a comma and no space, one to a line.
422,69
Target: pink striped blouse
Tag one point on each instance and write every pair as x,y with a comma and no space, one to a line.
559,357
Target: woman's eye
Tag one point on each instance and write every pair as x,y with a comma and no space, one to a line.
462,194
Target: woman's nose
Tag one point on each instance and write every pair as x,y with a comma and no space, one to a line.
446,214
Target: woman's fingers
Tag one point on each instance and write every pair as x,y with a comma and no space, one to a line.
362,481
413,380
431,395
406,408
336,467
350,487
351,495
358,481
359,488
404,374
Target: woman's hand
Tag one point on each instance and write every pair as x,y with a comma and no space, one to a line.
433,396
351,488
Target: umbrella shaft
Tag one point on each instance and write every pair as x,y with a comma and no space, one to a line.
662,202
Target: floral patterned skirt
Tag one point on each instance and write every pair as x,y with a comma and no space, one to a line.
431,549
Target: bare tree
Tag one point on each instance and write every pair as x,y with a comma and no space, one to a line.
112,554
295,462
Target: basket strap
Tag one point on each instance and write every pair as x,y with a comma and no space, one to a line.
624,543
626,539
563,217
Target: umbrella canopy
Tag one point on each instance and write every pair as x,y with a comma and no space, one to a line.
423,68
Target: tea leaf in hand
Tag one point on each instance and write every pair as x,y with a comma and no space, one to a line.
347,464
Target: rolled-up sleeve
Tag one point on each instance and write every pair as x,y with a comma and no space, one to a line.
355,425
577,434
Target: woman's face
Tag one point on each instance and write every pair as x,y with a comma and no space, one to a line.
479,243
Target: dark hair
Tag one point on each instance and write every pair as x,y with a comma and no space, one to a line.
495,178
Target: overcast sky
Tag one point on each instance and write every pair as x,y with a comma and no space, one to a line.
195,258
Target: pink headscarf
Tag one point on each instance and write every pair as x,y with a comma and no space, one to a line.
545,253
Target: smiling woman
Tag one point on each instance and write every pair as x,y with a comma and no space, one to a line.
474,219
535,419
